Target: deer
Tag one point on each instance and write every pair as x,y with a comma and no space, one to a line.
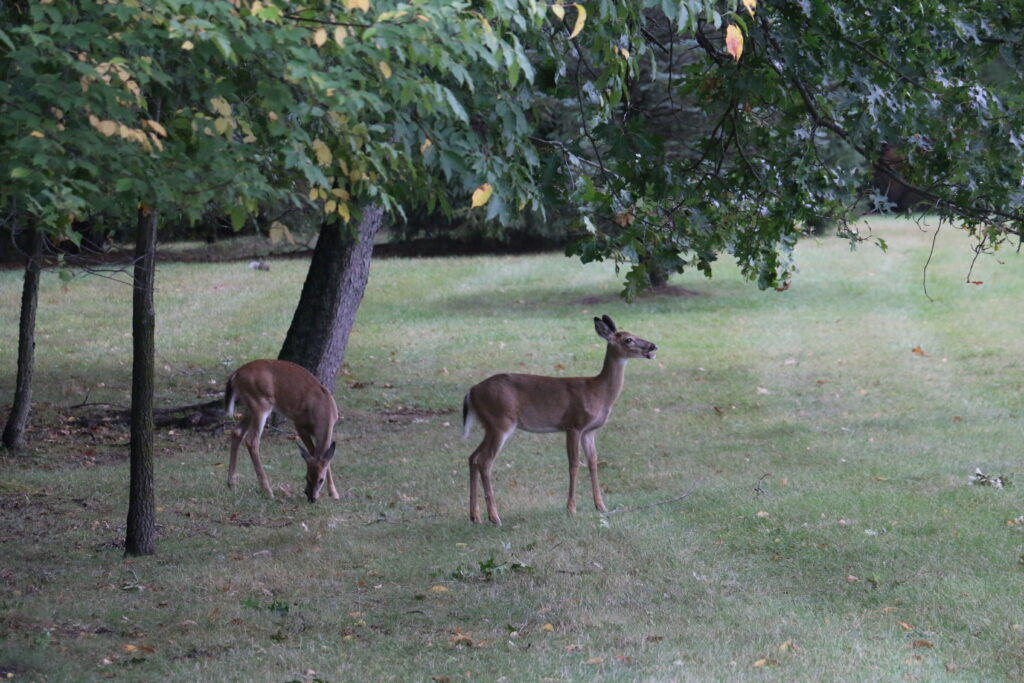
577,406
263,386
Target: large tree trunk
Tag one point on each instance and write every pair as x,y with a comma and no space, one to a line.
17,421
331,296
140,537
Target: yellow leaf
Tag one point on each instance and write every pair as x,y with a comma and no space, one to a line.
108,128
482,195
734,41
323,153
330,206
314,193
765,661
438,589
558,10
340,193
622,51
155,127
272,115
320,37
344,213
750,5
340,34
363,5
427,144
385,69
547,628
581,18
222,125
221,106
37,134
187,45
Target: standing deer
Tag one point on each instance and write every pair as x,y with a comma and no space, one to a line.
578,406
266,385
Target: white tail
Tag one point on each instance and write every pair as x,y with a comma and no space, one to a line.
263,386
578,406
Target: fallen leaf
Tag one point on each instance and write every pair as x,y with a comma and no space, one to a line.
439,589
595,660
906,626
765,661
921,643
547,628
918,351
852,579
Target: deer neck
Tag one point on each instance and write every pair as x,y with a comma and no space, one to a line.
612,376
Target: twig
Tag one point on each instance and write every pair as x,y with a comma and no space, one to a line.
634,508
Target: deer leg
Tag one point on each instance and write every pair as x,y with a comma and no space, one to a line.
252,442
494,441
590,450
474,477
572,448
330,484
237,434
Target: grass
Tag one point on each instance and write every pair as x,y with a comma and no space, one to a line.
834,534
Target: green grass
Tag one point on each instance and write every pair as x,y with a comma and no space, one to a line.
834,534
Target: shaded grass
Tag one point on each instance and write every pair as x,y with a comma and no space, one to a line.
834,537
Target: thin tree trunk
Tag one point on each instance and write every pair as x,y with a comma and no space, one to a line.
140,537
17,421
331,295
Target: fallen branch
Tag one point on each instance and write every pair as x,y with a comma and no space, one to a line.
206,415
634,508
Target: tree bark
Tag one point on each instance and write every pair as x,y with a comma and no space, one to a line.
17,421
331,295
140,536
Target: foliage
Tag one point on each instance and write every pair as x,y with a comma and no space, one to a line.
187,105
682,145
665,133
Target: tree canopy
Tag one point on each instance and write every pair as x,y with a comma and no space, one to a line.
665,133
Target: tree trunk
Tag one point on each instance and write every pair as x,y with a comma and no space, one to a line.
331,295
140,537
17,421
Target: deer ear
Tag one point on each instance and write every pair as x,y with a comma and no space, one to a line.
603,330
329,455
609,323
303,452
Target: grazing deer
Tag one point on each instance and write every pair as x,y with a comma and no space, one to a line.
266,385
578,406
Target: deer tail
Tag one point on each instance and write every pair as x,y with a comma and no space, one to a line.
229,396
468,416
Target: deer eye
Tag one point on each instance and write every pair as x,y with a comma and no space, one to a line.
629,341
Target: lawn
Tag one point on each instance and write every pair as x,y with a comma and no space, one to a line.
826,436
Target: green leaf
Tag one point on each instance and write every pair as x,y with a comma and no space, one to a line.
238,216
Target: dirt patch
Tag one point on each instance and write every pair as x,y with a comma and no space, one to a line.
660,292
